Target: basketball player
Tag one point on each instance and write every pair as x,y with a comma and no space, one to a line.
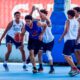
48,41
70,36
77,50
13,29
36,50
35,37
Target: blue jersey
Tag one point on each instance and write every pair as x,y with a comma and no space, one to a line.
35,31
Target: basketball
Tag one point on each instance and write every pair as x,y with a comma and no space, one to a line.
18,37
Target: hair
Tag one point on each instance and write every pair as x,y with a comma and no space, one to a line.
44,11
77,9
16,13
28,17
71,13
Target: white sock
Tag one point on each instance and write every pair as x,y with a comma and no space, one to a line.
5,62
24,63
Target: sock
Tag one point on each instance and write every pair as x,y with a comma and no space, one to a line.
51,67
24,63
28,60
34,68
40,66
5,62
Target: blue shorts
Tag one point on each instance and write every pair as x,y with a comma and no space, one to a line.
77,47
10,40
48,46
69,47
34,44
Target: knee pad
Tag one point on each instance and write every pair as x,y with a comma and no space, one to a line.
48,53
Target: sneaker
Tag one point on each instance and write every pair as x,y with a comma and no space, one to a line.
40,69
6,67
28,61
74,72
51,71
34,70
24,68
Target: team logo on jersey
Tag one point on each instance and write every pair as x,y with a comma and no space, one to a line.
16,28
34,33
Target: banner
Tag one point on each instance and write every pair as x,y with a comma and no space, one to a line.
8,7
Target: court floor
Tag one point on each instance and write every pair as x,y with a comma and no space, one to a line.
16,73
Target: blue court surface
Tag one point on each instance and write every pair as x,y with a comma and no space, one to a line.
16,73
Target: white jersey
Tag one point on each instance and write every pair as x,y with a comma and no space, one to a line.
48,36
73,30
15,28
79,27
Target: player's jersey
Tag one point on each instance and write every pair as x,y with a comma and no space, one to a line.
15,28
73,30
35,32
79,27
47,36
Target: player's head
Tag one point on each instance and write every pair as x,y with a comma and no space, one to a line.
28,19
44,11
77,11
17,15
70,14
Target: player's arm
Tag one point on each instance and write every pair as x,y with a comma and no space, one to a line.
44,28
45,17
22,34
65,30
78,35
33,8
8,27
42,24
23,31
78,31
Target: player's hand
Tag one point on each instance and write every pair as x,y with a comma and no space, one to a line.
33,8
40,37
37,9
59,40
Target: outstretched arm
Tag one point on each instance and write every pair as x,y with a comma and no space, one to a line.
33,8
8,27
45,17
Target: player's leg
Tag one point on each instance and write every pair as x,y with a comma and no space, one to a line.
49,47
9,49
68,49
32,58
74,70
31,47
18,42
78,59
40,69
21,48
40,52
48,53
77,54
28,59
